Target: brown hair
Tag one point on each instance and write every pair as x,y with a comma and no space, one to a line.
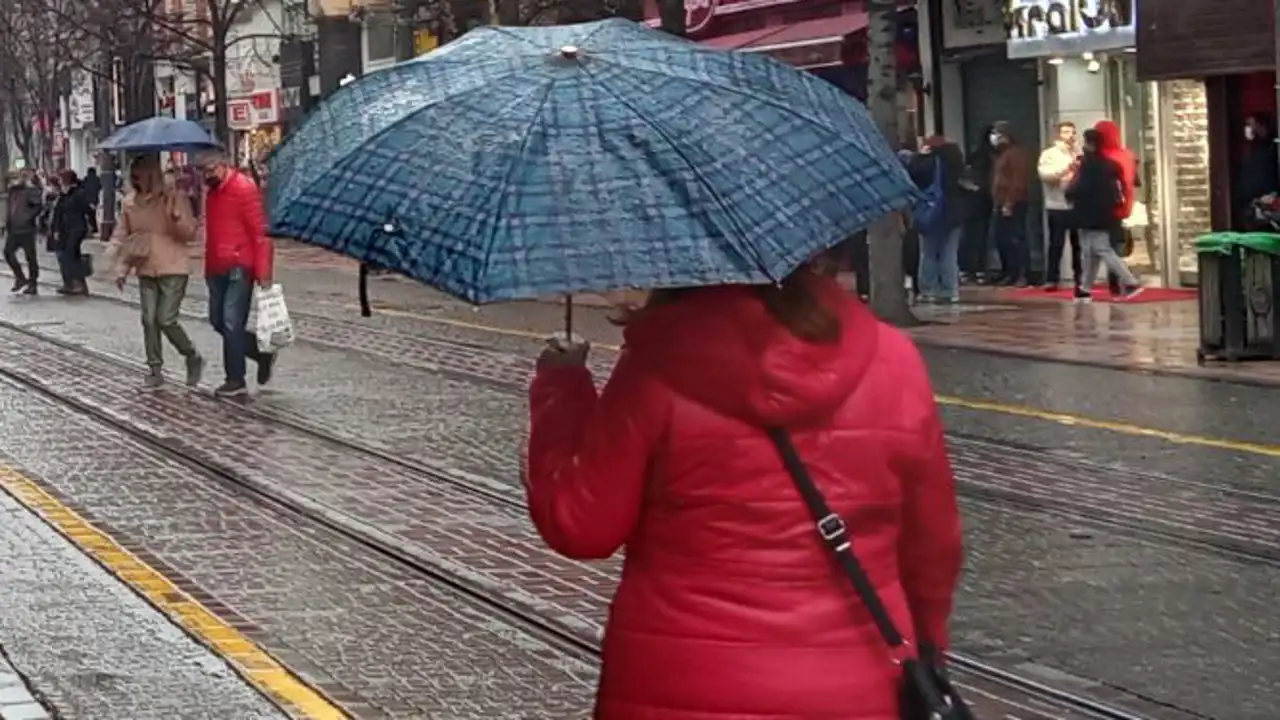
68,177
145,175
793,303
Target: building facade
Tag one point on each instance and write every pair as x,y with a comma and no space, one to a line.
1212,63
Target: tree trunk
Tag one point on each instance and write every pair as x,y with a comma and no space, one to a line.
885,236
672,15
4,142
221,124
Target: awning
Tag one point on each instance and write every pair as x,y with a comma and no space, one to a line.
806,44
809,32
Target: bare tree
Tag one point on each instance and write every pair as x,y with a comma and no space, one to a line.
885,236
36,39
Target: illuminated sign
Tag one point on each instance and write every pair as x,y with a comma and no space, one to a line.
1045,28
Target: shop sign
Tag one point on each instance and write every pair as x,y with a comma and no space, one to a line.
80,107
1044,28
259,108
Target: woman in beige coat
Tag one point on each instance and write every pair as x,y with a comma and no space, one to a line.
153,240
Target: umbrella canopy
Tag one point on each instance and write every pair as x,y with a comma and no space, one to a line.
526,162
159,134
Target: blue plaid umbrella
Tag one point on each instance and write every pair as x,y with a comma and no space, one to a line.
160,134
525,162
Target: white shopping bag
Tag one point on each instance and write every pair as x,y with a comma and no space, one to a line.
274,329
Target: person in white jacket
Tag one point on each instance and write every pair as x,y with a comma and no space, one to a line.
1057,165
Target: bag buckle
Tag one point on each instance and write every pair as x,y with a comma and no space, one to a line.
832,527
902,653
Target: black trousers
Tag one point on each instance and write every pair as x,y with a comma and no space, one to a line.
1060,233
1011,243
26,242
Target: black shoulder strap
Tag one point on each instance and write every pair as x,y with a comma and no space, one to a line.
835,535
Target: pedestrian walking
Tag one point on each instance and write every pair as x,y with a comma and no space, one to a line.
1010,190
729,605
1111,146
1096,197
69,226
24,204
93,193
1057,167
937,170
237,255
153,240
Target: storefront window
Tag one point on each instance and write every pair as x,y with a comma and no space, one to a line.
380,38
1128,103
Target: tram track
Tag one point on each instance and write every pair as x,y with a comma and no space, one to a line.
984,679
508,373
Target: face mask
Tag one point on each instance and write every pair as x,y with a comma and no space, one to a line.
1249,132
994,139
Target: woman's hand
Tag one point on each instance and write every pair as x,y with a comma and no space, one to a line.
561,353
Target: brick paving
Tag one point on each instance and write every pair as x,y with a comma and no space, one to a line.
328,389
379,640
453,527
90,646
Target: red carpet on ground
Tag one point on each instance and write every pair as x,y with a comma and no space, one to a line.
1101,294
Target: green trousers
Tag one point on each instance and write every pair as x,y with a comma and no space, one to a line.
161,304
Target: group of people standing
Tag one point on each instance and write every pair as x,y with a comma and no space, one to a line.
1088,191
1088,194
63,208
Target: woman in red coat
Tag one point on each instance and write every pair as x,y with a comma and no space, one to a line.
729,606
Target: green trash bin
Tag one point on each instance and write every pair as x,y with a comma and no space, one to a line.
1239,296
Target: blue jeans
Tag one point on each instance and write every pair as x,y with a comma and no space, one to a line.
229,299
940,263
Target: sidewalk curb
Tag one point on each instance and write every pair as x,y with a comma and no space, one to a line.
1210,374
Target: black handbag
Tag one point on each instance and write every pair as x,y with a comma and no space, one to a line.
926,692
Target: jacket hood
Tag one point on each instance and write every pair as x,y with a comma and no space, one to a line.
721,348
1108,135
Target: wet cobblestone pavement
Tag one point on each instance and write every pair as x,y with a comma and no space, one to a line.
93,648
380,640
1044,589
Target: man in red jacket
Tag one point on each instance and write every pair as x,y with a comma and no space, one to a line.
237,255
1111,146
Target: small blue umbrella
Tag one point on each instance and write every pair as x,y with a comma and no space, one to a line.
526,162
159,134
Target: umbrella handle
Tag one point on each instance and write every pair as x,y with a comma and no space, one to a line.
568,318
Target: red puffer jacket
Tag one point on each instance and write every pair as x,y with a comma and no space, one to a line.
235,229
1111,147
729,607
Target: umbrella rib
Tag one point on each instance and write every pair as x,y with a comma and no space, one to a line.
762,97
391,126
728,207
506,182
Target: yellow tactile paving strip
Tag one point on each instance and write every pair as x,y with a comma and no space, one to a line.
250,661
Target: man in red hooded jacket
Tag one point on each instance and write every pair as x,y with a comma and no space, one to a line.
1111,147
237,255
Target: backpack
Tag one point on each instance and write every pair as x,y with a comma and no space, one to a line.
930,213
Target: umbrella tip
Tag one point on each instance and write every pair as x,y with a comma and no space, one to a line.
570,52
